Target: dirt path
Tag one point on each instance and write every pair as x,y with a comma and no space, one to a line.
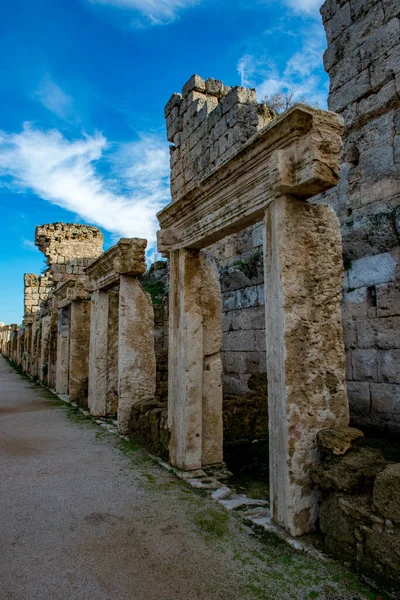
85,517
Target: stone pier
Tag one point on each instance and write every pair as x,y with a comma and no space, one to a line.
114,276
73,341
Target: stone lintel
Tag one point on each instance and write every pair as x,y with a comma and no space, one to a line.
127,257
73,289
298,153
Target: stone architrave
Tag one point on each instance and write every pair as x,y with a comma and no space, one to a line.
292,159
118,270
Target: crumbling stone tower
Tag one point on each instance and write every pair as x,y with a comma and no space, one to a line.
207,124
69,248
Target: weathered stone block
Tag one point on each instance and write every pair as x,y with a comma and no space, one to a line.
195,83
380,42
382,333
340,21
389,366
372,270
349,92
359,398
365,365
239,341
387,493
338,440
385,398
342,473
388,299
214,87
247,297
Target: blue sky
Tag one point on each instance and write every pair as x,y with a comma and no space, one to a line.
83,87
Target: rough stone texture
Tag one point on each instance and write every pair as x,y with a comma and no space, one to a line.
149,426
79,352
387,493
305,353
36,289
207,125
112,352
69,248
97,398
246,416
337,440
63,350
363,62
136,355
360,514
194,370
354,470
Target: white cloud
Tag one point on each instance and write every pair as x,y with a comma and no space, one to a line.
306,7
71,175
301,71
158,12
53,97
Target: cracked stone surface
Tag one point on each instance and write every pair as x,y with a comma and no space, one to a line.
86,518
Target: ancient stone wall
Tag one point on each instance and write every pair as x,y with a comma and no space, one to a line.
360,508
36,289
69,248
363,62
207,125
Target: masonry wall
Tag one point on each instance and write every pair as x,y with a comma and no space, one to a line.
207,124
363,62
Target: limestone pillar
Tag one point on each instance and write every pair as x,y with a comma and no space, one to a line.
136,355
63,350
194,379
112,352
52,359
79,351
97,396
305,353
44,350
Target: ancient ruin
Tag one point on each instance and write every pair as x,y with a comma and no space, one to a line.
276,316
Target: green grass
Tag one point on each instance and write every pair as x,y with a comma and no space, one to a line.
212,522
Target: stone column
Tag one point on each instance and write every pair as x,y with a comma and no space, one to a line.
97,397
194,371
136,355
63,350
305,352
112,353
44,350
52,358
79,352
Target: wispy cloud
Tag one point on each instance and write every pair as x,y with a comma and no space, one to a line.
307,7
53,98
28,244
302,71
156,12
71,174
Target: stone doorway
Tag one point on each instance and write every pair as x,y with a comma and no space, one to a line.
293,158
